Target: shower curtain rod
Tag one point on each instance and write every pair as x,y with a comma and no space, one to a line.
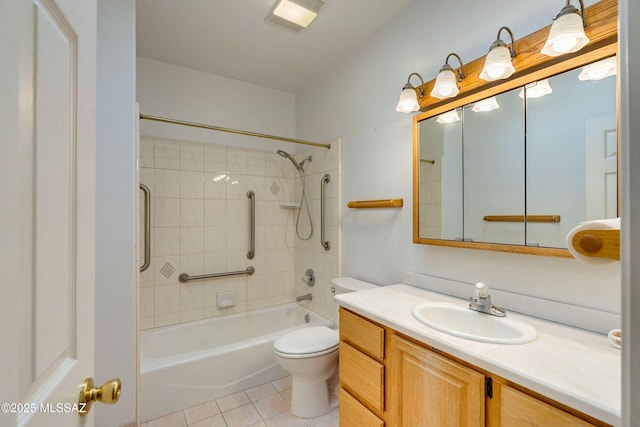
240,132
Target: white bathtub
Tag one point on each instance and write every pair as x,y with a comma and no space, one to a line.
188,364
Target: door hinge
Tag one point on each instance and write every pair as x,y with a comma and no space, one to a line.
488,387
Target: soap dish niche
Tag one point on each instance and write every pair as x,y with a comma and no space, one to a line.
227,299
289,205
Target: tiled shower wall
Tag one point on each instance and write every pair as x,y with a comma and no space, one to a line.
199,223
310,253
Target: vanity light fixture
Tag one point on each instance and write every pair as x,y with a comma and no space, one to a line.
446,85
599,70
448,117
536,89
409,100
294,15
567,32
485,105
498,64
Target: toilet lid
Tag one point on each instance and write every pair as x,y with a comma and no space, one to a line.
310,340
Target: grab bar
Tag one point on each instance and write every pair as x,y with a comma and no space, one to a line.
252,224
147,227
184,277
325,180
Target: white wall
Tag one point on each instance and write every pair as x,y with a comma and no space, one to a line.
116,189
356,100
170,91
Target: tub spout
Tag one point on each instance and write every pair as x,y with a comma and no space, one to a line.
307,297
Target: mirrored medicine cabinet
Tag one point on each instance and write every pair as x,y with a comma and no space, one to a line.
516,169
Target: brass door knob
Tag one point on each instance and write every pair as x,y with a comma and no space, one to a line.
108,393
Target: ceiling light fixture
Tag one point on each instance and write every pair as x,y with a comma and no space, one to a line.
498,64
599,70
446,85
536,89
567,32
294,15
409,100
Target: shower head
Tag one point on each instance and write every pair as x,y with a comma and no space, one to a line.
290,157
308,159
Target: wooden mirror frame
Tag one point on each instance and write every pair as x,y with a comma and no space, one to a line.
530,65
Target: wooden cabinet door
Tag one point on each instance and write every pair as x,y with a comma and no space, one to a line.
429,390
512,408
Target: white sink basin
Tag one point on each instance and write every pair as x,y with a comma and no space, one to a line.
459,320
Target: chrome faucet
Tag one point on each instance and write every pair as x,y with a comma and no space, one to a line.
307,297
481,302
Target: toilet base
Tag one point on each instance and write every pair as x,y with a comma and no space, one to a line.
311,399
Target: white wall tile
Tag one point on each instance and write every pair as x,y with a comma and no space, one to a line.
274,165
237,186
191,185
166,241
167,212
167,319
215,158
191,212
237,238
215,212
215,239
167,154
147,153
237,212
201,226
192,156
215,186
167,299
192,264
236,161
192,296
147,302
191,240
191,315
167,184
167,269
256,163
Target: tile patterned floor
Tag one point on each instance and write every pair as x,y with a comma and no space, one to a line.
266,405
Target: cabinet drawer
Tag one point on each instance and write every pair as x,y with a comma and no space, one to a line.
354,414
362,334
362,375
511,407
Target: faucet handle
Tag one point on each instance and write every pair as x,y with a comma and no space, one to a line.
482,290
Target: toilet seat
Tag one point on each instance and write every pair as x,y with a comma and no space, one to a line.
307,342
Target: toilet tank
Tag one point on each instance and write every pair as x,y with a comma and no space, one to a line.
341,285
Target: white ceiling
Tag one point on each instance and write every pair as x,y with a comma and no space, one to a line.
230,37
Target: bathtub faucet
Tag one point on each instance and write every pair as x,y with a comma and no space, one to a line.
307,297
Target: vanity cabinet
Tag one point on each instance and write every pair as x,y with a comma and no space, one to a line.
425,386
387,379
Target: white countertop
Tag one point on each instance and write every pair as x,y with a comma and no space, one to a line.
572,366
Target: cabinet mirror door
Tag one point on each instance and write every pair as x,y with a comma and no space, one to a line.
523,167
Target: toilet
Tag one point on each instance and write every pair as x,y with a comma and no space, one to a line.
310,355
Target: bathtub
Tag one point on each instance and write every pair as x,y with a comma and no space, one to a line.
188,364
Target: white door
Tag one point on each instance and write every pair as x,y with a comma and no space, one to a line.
601,139
47,162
